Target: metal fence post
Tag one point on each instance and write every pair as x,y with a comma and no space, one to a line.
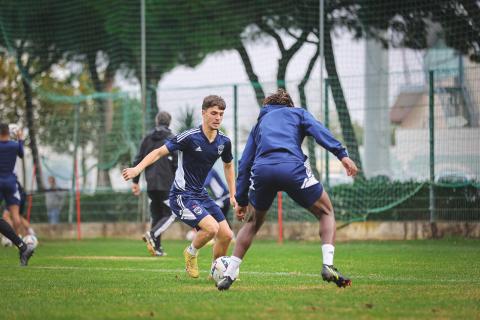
431,125
327,124
235,126
71,204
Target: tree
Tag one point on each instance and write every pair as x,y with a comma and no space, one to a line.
396,24
298,21
83,34
11,95
411,25
27,35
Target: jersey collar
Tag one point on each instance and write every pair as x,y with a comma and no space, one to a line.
206,138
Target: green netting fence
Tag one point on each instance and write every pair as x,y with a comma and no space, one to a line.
398,86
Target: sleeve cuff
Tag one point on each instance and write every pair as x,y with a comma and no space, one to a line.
242,201
342,155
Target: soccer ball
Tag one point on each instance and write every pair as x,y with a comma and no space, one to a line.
6,242
219,267
31,240
190,235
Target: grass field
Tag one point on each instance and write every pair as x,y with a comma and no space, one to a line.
116,279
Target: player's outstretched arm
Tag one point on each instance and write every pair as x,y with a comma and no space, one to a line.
130,173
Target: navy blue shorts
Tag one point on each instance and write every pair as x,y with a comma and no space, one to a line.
192,210
292,177
9,191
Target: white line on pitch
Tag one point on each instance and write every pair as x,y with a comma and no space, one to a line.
376,278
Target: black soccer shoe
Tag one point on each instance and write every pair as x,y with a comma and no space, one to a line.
159,252
330,273
26,255
225,283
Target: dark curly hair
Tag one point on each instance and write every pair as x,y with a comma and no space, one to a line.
4,129
281,97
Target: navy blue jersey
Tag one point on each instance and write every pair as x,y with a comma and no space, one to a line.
8,156
277,138
196,156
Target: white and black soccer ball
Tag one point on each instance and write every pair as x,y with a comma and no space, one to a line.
219,267
31,240
6,242
190,235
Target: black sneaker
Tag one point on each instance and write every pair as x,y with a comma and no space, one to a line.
26,255
225,283
330,273
159,252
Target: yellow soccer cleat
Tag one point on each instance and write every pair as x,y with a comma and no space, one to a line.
148,239
191,264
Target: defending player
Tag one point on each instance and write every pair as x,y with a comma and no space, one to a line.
272,161
198,149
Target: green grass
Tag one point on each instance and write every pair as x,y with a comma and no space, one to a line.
116,279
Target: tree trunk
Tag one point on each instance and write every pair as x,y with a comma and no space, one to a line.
303,102
152,106
103,178
27,89
257,87
341,105
83,164
287,55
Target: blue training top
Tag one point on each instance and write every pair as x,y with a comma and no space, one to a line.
196,156
277,137
8,156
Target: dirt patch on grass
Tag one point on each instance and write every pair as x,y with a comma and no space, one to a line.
116,258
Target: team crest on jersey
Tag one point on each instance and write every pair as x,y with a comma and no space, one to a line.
220,149
197,210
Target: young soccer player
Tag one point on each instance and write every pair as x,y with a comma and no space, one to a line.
9,150
7,216
273,161
198,149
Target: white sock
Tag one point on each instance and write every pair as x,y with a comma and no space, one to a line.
192,250
233,267
328,251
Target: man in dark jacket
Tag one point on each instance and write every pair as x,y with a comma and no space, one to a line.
159,178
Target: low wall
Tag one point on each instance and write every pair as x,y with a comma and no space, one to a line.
306,231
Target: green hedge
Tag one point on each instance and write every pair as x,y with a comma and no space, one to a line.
101,206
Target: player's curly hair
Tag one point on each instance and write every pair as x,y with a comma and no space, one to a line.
4,129
281,97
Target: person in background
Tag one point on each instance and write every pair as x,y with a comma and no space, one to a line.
159,177
214,183
54,200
